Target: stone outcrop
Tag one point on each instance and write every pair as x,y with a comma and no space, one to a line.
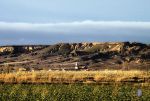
4,50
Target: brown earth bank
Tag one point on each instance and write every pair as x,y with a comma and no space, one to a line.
86,56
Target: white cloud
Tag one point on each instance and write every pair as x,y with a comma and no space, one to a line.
85,30
73,26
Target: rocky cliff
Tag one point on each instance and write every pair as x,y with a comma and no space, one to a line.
125,48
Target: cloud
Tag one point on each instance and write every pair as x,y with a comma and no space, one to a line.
39,33
71,26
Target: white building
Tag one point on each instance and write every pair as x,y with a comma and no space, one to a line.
76,66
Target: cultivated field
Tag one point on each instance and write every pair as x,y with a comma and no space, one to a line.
74,92
76,76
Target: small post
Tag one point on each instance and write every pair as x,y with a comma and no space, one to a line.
139,92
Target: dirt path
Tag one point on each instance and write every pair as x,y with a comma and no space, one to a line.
12,63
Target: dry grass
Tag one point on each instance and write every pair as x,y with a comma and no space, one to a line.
76,76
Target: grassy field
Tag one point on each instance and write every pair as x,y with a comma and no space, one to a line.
74,92
76,76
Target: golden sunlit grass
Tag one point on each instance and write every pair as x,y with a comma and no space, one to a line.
76,76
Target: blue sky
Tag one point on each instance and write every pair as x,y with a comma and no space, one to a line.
52,21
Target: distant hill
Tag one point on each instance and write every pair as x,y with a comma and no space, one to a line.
95,56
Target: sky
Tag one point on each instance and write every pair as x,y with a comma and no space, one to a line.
55,21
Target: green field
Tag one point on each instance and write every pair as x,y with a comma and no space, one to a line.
74,92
